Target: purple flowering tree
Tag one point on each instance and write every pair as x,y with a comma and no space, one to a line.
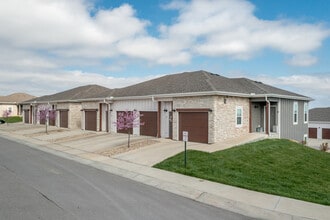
5,114
44,114
128,120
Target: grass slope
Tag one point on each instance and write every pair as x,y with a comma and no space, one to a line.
13,119
273,166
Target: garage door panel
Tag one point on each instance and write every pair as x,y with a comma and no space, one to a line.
196,123
325,133
64,118
26,116
149,128
312,132
90,120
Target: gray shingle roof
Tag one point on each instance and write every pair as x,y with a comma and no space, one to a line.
15,97
180,83
319,114
78,93
199,81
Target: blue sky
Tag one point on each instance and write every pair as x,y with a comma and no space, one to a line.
51,46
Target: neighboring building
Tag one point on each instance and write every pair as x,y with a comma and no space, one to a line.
319,123
12,103
71,106
210,107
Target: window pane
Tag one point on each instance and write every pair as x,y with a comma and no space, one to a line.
239,120
239,112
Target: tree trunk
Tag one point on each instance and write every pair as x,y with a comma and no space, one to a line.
46,125
128,143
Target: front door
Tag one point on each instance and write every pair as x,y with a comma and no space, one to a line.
272,119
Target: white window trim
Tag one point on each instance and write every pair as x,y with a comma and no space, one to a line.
241,108
295,104
306,111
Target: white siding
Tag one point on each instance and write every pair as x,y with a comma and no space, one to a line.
130,105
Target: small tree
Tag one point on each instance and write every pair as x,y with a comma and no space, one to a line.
128,120
45,113
6,114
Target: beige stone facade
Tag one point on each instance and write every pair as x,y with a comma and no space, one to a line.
225,117
74,114
221,117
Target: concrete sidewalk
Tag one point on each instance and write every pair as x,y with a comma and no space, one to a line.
246,202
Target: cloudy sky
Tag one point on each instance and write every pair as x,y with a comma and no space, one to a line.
47,46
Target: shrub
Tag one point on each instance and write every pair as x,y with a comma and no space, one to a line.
324,146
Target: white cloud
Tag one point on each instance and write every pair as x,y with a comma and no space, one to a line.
66,29
41,39
316,86
230,28
302,60
37,83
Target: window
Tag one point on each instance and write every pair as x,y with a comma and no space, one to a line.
295,113
239,116
305,112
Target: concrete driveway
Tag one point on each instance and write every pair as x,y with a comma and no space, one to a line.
144,150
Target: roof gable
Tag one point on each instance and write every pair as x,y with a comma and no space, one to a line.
78,93
16,97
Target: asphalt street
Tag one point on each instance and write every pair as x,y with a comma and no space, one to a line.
38,185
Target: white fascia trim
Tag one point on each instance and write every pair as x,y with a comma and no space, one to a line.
72,101
221,93
174,95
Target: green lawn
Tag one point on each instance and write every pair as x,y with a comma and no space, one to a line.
13,119
273,166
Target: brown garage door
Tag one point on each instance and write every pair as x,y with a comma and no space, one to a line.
26,116
150,124
90,120
64,118
312,132
325,133
196,123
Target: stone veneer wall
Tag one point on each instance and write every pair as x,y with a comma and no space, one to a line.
75,115
225,117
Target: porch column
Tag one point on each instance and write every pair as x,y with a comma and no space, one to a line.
250,117
158,118
100,123
267,118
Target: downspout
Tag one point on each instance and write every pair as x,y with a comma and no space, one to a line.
268,115
109,110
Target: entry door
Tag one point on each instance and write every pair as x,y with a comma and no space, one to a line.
272,119
166,120
64,119
26,116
